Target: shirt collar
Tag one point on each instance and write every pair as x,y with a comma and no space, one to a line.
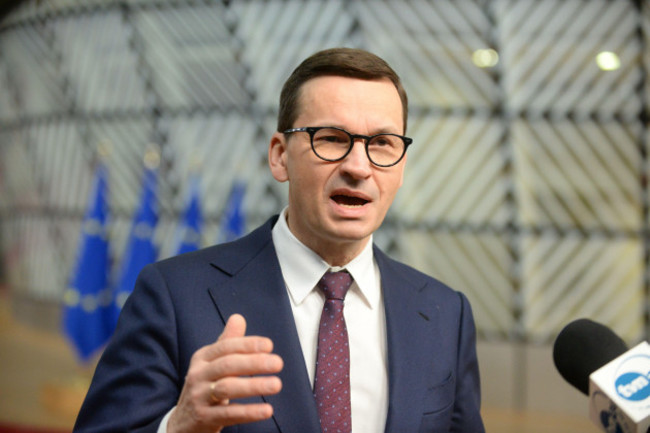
302,268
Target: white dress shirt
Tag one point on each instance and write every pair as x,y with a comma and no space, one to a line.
364,315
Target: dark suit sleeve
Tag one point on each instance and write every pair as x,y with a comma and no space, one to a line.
136,381
466,417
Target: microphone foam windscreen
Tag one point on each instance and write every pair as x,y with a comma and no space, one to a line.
582,347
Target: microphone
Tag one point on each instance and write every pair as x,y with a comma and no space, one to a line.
596,361
581,348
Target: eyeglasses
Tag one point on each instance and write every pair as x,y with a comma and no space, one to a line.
333,144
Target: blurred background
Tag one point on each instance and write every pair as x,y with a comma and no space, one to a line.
526,186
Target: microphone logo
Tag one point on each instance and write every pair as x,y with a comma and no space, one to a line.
619,392
632,378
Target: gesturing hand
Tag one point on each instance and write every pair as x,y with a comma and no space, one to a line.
226,370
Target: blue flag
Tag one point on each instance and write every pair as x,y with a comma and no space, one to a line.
140,248
189,233
87,320
233,222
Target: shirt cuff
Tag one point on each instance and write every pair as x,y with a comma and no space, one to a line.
162,428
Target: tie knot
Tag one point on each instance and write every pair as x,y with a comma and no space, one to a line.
335,284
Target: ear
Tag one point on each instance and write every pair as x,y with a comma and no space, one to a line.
278,157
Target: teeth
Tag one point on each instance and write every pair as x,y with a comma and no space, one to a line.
351,206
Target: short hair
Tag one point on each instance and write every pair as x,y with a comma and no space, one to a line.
343,62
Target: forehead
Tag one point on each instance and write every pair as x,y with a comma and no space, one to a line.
343,99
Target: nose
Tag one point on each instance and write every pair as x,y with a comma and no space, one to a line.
356,163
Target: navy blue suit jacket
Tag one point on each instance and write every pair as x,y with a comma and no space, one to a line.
181,304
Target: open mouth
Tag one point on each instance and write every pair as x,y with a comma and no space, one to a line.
349,201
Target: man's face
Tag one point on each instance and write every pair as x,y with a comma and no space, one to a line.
339,204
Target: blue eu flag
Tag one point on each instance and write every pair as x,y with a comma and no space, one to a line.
140,248
87,320
233,222
189,232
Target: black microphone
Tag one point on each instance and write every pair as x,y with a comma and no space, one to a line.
595,360
582,347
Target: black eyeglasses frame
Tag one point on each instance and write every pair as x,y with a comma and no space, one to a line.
311,130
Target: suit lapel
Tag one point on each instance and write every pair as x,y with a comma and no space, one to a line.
411,337
257,292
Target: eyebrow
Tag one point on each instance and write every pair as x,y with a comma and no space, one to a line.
382,130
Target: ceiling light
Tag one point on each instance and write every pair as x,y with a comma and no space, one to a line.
485,58
608,61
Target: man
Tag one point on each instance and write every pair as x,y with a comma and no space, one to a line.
288,357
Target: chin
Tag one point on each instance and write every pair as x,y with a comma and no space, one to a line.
352,231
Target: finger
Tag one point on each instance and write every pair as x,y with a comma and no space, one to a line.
213,395
235,413
243,364
241,387
235,327
233,340
234,345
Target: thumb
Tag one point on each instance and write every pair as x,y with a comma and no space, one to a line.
235,327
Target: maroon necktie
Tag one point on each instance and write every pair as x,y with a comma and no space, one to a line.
332,382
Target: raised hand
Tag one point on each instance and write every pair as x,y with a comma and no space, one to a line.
235,366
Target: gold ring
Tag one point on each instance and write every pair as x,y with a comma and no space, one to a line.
213,397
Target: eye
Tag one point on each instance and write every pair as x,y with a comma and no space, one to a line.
384,141
334,136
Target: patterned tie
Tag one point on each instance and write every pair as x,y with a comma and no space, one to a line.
332,382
